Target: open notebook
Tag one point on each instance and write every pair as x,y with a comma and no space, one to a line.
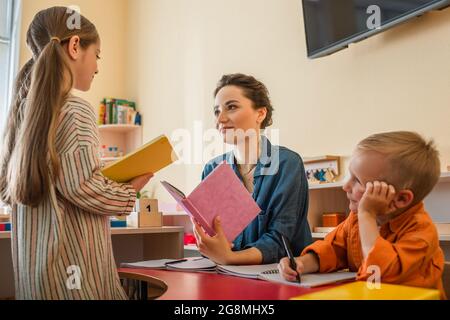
196,264
267,272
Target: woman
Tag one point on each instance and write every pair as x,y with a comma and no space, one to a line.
274,175
50,170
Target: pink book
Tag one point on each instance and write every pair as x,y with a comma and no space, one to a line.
222,194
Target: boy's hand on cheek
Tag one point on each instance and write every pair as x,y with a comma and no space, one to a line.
377,199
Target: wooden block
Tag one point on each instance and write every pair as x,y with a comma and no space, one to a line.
148,205
332,219
150,219
148,215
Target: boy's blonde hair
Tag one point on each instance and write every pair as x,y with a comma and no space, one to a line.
414,162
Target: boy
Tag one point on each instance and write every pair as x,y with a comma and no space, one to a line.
388,228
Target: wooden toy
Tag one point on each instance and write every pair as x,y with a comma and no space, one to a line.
332,219
324,169
147,214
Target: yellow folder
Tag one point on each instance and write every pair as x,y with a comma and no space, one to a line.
360,291
150,158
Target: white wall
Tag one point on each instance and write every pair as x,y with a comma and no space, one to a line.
109,16
396,80
169,54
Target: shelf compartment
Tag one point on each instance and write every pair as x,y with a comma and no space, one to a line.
118,128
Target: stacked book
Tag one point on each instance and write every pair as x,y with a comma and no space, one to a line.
5,226
118,111
118,223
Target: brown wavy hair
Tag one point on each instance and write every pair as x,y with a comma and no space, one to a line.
29,161
253,89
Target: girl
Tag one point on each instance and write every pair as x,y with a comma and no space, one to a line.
274,175
50,170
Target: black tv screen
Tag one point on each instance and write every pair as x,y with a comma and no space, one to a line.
332,25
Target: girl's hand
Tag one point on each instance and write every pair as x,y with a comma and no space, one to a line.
378,199
139,182
285,269
216,248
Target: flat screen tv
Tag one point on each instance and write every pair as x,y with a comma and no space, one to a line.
331,25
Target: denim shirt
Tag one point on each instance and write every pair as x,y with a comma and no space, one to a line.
281,191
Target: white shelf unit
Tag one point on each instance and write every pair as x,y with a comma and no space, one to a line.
110,159
126,138
318,235
325,198
331,198
443,237
119,128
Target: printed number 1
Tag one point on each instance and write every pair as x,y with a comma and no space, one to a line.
149,208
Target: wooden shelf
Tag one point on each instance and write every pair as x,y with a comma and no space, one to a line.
307,160
318,235
118,128
443,231
125,137
178,213
338,184
5,234
445,177
119,231
110,159
128,230
321,236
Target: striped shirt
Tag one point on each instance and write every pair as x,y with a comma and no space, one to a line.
62,248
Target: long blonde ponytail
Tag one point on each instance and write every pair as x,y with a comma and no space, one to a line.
29,160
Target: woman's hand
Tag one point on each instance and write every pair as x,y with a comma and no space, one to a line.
139,182
216,248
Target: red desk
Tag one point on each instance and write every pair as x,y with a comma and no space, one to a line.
212,286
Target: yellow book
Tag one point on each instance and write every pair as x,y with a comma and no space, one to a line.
360,290
150,158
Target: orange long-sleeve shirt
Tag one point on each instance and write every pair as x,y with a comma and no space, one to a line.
407,250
